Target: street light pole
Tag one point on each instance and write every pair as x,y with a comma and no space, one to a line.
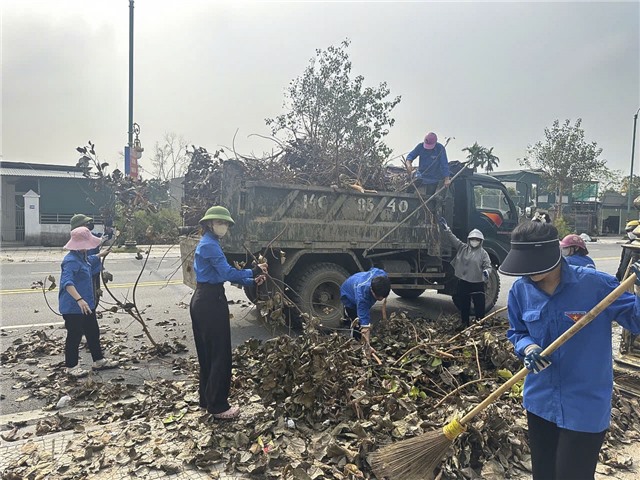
633,150
130,142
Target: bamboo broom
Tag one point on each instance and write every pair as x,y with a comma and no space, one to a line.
416,458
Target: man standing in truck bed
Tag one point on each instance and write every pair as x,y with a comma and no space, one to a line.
433,165
433,172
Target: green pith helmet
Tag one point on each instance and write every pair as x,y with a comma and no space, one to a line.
79,220
217,213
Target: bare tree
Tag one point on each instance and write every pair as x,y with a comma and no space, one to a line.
170,159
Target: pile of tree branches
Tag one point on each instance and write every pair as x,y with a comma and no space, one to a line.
332,134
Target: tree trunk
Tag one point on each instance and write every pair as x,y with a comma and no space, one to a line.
559,202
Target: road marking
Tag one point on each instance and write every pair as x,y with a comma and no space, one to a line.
606,258
111,287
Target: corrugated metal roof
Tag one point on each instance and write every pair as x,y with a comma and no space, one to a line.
38,172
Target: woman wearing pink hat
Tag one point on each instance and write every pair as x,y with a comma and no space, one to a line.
575,252
77,302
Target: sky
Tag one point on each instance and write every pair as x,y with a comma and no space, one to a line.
493,72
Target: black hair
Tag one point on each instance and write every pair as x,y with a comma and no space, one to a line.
205,227
381,286
534,232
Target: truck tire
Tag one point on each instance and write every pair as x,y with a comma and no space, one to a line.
492,291
317,292
407,292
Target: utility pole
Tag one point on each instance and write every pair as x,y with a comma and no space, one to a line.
633,150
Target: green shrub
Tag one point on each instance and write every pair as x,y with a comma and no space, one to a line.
563,227
156,228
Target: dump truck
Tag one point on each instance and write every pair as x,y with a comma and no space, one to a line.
626,365
314,237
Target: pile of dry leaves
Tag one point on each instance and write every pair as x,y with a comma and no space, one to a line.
313,407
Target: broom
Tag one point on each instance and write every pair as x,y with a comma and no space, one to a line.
416,458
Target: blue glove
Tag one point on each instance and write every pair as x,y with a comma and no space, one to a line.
635,268
533,360
444,224
485,275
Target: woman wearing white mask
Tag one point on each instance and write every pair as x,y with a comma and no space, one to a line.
632,231
471,266
210,312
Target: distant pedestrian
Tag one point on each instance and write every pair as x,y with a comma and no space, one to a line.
358,294
575,252
472,267
77,302
209,312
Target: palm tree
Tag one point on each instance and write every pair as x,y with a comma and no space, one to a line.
490,161
481,157
475,156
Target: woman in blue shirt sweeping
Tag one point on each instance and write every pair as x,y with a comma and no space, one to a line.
568,396
210,312
77,301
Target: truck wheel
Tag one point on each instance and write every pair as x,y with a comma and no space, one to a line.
491,292
408,292
317,292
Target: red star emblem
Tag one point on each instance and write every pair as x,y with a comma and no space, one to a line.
575,316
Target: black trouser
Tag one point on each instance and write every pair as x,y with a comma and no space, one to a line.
561,454
466,292
77,325
212,334
352,314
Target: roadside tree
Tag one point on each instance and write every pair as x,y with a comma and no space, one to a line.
565,158
481,157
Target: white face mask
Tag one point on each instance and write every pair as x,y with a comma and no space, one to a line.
220,230
631,236
566,251
474,243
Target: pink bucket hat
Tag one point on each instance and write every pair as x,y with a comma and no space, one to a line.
430,141
82,239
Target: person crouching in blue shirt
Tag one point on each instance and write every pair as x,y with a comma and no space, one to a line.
568,396
575,252
77,301
358,294
209,312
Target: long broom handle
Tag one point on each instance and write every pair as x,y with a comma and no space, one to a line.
593,313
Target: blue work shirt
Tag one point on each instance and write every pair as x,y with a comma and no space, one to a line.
355,293
575,391
77,270
211,266
433,165
580,261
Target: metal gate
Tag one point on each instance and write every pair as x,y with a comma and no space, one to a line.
19,221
